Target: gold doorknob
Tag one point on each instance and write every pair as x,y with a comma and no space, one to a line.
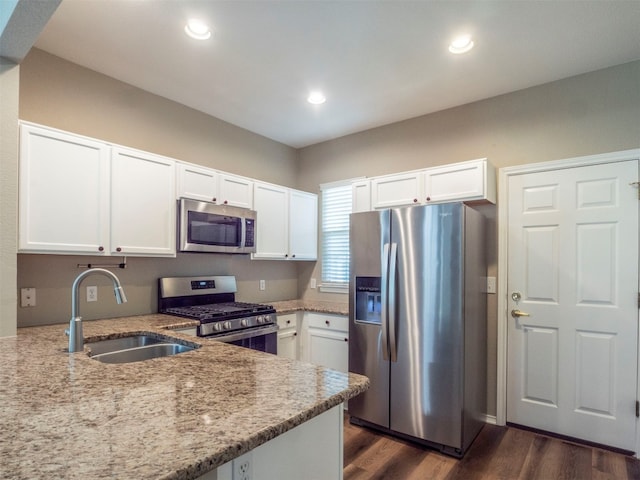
518,313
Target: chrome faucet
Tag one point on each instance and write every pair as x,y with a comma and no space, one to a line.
76,339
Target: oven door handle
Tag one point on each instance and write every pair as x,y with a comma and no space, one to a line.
243,334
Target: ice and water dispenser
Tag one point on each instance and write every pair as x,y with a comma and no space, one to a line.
368,300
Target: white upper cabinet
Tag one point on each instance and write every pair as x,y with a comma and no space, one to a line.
472,181
303,225
396,190
197,183
272,204
64,193
82,196
201,183
143,207
361,196
287,223
469,181
235,191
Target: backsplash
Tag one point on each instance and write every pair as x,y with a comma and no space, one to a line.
53,275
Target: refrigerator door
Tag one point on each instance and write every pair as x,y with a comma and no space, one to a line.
426,385
368,345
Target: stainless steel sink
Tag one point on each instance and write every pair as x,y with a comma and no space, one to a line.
135,348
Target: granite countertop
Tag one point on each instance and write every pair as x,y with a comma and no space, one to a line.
68,416
289,306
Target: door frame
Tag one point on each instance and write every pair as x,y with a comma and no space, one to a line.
503,236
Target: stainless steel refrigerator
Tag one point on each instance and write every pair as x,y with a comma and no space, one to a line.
417,323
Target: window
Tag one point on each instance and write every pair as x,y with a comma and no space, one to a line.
336,207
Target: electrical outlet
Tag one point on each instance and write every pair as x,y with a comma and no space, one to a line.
313,283
263,285
242,468
27,297
92,294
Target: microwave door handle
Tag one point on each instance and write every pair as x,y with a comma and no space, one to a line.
243,234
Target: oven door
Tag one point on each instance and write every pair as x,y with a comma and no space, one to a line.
263,339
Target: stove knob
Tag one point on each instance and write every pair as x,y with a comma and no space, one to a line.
217,327
261,319
227,325
243,322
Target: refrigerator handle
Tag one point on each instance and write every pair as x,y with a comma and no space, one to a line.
393,344
384,321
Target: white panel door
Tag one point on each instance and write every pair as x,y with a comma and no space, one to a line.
573,260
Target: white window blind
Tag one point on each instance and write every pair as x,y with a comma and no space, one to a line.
336,207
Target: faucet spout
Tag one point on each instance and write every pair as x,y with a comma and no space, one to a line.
76,338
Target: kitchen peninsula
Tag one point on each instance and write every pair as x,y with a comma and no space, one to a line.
180,417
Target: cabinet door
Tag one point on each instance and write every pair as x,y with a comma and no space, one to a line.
328,348
303,225
461,181
271,203
396,190
288,343
361,195
235,191
143,206
197,183
64,188
325,340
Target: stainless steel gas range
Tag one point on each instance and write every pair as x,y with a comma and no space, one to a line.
211,300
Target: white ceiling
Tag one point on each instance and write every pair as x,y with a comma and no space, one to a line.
378,62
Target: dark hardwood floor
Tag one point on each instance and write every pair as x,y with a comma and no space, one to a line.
498,453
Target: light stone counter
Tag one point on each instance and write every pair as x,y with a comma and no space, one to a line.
68,416
289,306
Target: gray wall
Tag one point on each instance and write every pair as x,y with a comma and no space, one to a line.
588,114
63,95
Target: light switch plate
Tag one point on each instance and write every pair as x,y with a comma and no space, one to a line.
491,285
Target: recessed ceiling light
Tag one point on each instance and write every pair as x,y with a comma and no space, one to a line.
461,44
197,29
316,98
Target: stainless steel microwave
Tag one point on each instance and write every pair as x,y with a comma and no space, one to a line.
207,227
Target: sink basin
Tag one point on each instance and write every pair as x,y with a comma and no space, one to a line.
135,349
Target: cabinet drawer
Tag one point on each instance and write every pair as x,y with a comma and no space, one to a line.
288,320
327,321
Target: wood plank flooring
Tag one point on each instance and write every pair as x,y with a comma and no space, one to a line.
498,453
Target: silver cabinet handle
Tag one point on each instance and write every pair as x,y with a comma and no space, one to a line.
518,313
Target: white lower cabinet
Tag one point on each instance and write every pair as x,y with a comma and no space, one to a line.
311,451
325,340
288,336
